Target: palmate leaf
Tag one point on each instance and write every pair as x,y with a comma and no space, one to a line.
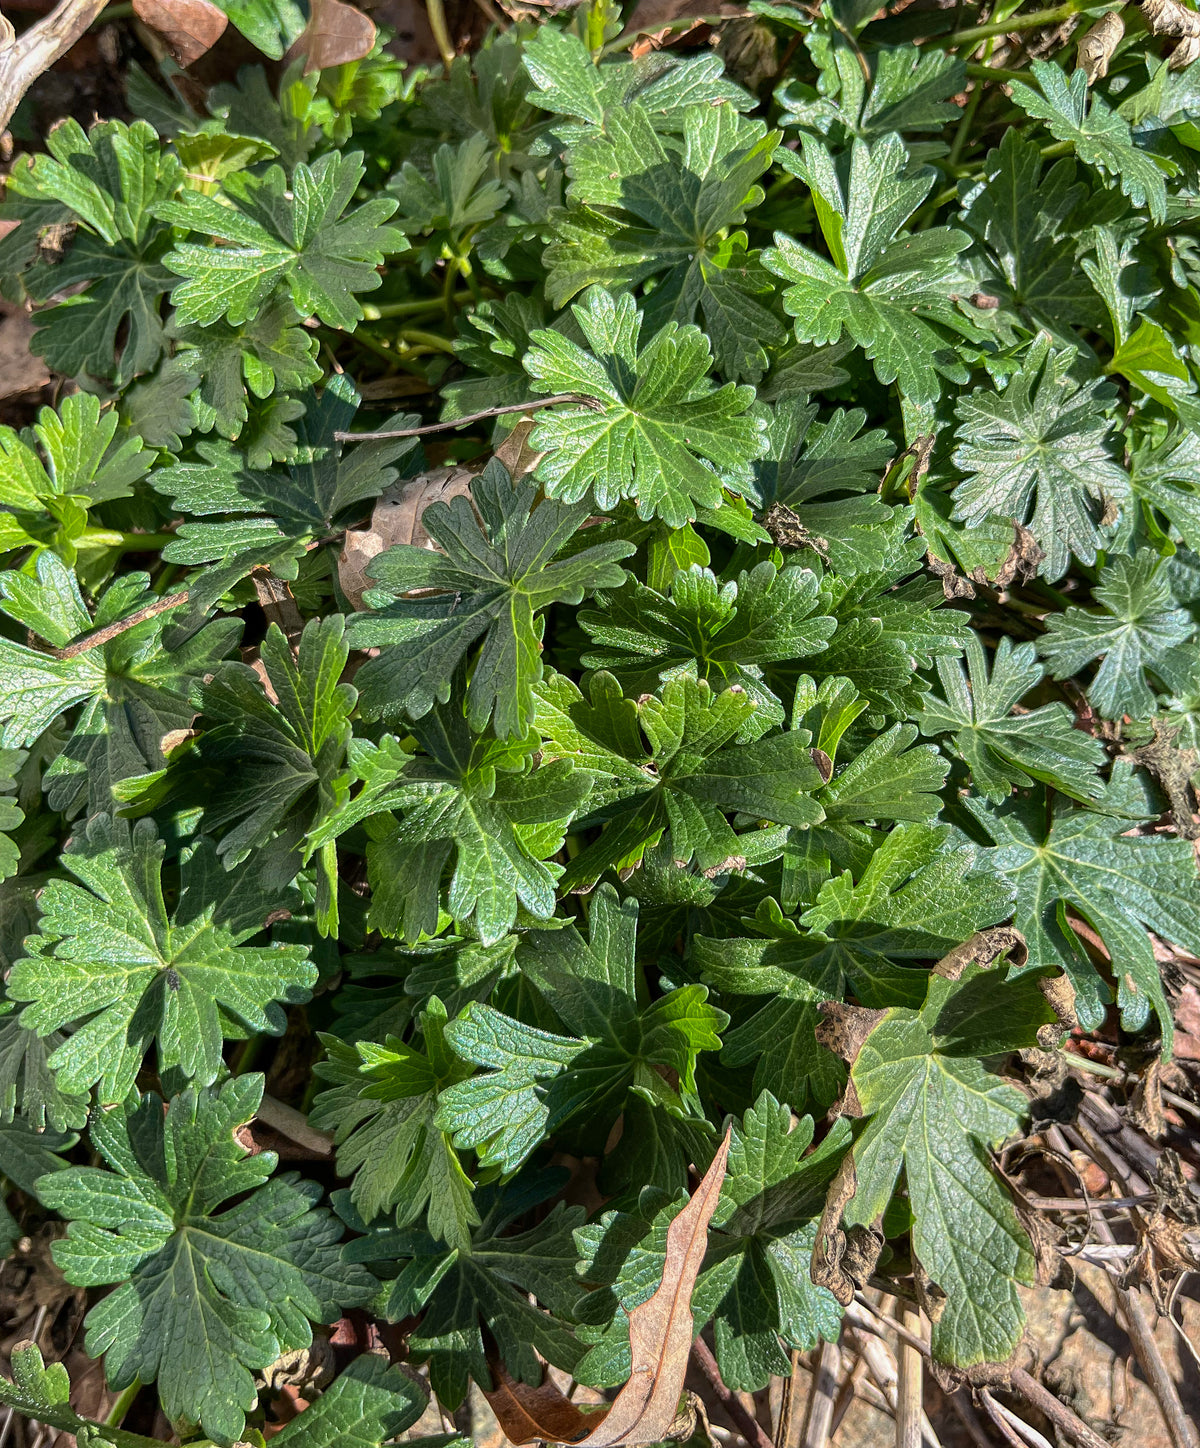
1122,884
368,1404
933,1108
674,763
132,691
1006,750
725,633
496,806
567,80
1165,474
1133,633
460,196
111,962
658,430
497,1282
620,1042
53,472
205,1297
112,179
642,211
282,234
381,1109
923,890
1026,223
495,573
1099,136
825,475
754,1286
1038,452
908,91
28,1088
265,515
266,354
894,294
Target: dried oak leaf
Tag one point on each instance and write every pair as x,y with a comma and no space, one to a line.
190,28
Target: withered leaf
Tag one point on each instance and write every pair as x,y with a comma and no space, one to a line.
528,1414
336,34
189,27
396,519
661,1328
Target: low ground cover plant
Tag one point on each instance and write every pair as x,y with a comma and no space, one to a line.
705,790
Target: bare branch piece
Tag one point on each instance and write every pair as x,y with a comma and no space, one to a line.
24,57
113,630
454,422
748,1427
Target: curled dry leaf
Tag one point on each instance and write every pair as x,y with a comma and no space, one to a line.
541,1414
189,27
1177,22
336,34
396,519
1096,47
984,949
661,1328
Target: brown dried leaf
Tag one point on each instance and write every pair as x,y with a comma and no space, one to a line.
829,1249
1096,48
542,1414
396,519
190,27
842,1029
335,35
661,1328
984,949
1023,561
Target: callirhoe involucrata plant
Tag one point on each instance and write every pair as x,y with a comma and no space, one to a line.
738,757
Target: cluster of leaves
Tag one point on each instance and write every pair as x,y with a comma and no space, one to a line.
847,606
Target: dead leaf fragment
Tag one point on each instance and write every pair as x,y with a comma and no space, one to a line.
20,370
661,1328
842,1029
984,949
1173,19
396,519
528,1414
190,27
1096,48
336,34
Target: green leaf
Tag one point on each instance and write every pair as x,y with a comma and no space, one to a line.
642,211
1028,223
908,91
620,1042
446,208
1132,634
893,293
267,353
727,634
1038,452
239,1287
381,1109
28,1156
1006,750
655,429
501,813
688,775
1165,473
367,1404
132,690
281,234
266,514
922,892
52,473
111,961
42,1393
27,1084
1100,137
113,179
933,1109
1060,857
497,1283
825,475
495,572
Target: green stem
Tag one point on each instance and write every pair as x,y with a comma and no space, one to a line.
989,72
1035,20
427,339
123,1404
441,31
386,310
125,542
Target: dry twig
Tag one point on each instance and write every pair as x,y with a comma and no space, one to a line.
451,423
26,56
750,1429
